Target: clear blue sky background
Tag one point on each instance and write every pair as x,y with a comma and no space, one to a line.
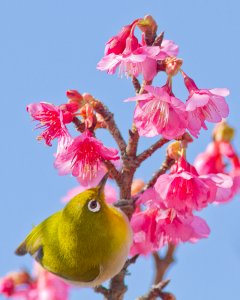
48,47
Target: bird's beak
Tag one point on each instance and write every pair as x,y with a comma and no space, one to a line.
102,183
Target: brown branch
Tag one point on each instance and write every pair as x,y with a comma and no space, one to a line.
148,152
162,264
130,261
117,287
159,39
156,291
132,142
113,172
80,126
108,117
136,84
102,290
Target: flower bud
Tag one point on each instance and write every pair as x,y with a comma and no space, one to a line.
172,65
189,82
149,27
174,150
117,43
223,132
87,97
74,96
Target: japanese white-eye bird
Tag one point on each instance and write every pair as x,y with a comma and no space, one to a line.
85,243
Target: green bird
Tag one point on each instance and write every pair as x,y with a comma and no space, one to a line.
85,243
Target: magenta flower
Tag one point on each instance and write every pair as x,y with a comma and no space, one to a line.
52,119
210,161
222,184
84,158
117,43
158,112
137,59
154,228
184,190
204,105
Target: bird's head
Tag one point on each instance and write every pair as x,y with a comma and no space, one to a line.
89,204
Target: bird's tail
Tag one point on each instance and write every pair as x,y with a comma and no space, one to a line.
22,249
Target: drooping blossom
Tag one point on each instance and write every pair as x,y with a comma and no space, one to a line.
213,160
210,161
154,225
204,105
221,157
84,158
184,190
133,58
222,184
158,112
117,43
109,192
153,228
142,60
53,119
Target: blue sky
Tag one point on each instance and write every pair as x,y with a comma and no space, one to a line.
48,47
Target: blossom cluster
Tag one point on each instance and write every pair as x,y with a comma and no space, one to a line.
166,210
42,286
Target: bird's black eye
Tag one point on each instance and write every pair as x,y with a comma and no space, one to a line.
94,205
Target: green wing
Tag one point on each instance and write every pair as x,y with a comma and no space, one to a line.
33,244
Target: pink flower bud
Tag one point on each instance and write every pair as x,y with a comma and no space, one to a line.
74,96
117,43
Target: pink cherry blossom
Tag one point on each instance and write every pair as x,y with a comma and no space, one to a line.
117,44
204,105
109,191
210,161
158,112
235,174
137,59
183,189
154,228
221,184
52,119
84,158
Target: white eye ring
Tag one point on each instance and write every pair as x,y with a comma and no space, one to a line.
94,205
